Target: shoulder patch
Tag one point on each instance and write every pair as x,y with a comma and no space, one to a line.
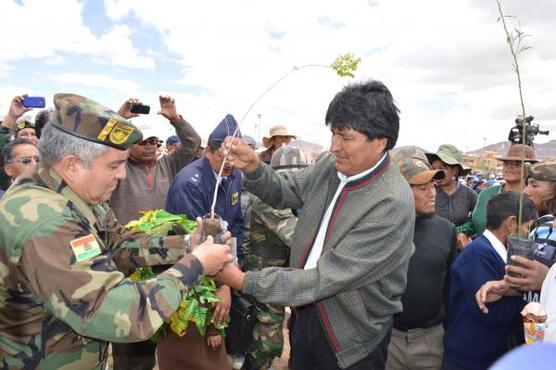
85,247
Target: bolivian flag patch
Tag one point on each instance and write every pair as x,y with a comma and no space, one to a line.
85,247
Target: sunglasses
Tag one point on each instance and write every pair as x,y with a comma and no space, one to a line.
27,160
152,141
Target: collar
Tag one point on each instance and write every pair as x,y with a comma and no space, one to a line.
497,245
216,177
346,179
53,181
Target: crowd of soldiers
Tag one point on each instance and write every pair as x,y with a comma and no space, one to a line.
386,259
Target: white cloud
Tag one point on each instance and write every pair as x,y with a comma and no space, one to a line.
95,80
42,29
446,62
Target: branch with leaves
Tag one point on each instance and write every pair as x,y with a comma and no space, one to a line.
345,65
198,304
515,43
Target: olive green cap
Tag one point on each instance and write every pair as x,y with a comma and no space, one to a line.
91,121
450,155
543,171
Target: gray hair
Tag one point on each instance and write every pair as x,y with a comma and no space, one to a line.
9,150
56,144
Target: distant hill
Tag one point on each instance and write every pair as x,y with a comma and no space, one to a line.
542,150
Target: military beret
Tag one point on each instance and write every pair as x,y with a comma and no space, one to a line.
91,121
226,127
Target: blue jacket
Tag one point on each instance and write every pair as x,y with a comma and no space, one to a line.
474,340
192,190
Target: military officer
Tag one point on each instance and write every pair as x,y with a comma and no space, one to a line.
62,295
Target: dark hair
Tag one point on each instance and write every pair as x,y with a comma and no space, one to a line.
505,205
214,144
41,120
549,203
8,151
368,108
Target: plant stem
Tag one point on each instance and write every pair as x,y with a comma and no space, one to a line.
524,131
234,134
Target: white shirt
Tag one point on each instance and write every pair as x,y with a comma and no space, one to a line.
316,250
548,300
497,245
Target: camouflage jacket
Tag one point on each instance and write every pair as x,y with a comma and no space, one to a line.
62,295
269,234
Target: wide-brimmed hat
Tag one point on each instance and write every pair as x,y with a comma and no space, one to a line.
276,131
414,166
518,151
450,155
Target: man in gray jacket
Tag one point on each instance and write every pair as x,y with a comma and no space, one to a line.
351,247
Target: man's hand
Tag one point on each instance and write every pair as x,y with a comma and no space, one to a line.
491,291
168,108
125,109
198,236
214,341
222,308
240,154
16,110
213,256
532,273
232,276
462,240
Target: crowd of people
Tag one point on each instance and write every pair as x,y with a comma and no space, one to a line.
385,256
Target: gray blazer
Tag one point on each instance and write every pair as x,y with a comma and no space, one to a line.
361,273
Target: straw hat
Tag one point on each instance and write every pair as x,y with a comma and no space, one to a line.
276,131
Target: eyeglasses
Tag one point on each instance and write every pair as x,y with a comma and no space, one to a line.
151,141
27,160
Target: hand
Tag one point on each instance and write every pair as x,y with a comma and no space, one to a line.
491,291
232,276
462,240
198,236
214,341
532,273
16,110
222,308
240,154
125,109
213,256
168,108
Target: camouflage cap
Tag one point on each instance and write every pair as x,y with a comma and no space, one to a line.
288,157
409,152
544,171
414,166
91,121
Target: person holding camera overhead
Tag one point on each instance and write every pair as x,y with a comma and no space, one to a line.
144,188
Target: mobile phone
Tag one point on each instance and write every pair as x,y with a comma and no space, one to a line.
33,102
140,108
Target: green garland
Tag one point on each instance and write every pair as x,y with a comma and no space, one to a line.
198,304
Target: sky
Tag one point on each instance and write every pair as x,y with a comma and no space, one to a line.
446,63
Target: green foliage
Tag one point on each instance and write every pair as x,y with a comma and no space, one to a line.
198,304
345,65
162,223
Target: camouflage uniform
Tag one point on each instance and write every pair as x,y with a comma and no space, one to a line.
62,295
269,237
